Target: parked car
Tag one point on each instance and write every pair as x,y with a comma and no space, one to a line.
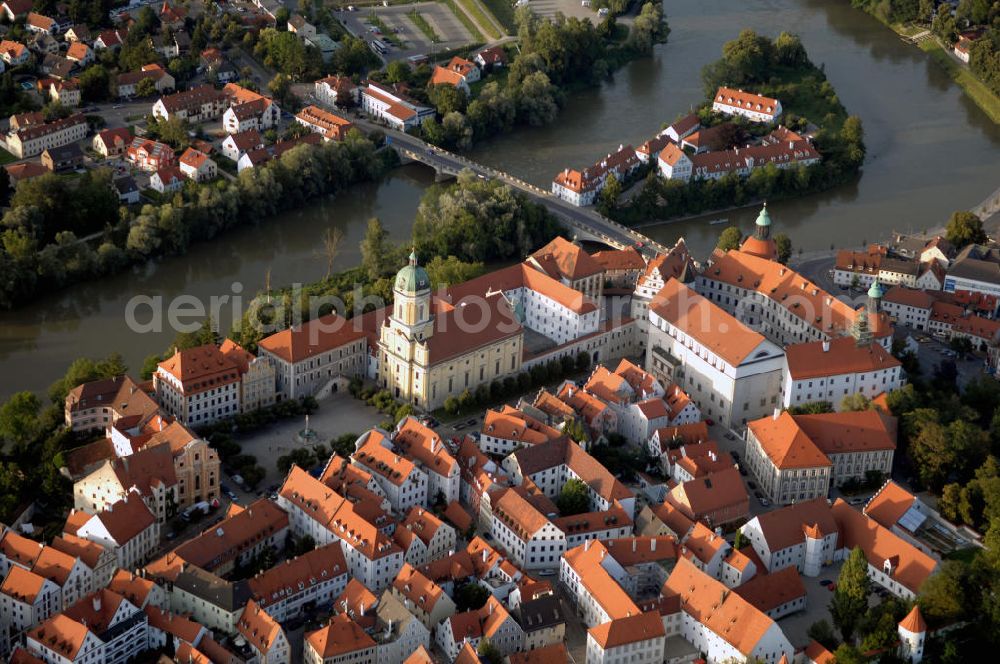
825,582
472,421
764,502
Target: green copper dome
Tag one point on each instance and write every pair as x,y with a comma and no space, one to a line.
764,219
876,290
412,278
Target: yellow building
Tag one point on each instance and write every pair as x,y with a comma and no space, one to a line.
432,347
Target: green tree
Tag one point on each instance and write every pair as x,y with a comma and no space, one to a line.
95,83
855,402
488,652
444,272
783,244
374,247
730,238
146,88
609,194
19,421
964,228
574,498
397,71
470,597
943,595
447,98
850,598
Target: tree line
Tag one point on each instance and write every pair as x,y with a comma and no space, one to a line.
555,55
40,254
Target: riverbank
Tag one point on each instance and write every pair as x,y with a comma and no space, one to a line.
975,89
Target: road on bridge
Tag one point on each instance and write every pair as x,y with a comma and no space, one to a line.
586,220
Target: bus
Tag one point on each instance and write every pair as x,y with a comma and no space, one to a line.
380,46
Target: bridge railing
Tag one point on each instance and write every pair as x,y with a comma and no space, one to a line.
542,193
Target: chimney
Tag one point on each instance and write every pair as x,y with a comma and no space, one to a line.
634,545
97,602
777,412
652,544
586,545
826,346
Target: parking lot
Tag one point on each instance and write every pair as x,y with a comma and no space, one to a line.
450,32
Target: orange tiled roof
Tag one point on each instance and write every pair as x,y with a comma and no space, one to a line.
258,628
562,258
709,602
417,588
786,444
341,636
628,630
702,320
861,431
889,505
803,298
312,338
320,564
809,360
911,565
749,101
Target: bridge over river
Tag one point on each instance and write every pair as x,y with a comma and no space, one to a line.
586,223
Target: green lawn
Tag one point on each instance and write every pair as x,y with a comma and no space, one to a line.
978,91
6,157
476,12
466,21
504,11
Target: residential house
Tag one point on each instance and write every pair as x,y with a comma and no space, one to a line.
234,146
752,106
386,104
102,627
39,23
331,127
66,92
492,622
128,190
14,53
63,158
335,91
148,155
342,641
582,187
112,142
196,105
167,179
128,82
35,139
80,53
197,166
127,528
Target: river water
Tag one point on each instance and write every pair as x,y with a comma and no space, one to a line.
930,151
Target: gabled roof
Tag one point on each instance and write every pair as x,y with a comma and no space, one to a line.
313,338
715,606
707,323
341,636
911,566
889,504
783,527
258,627
628,630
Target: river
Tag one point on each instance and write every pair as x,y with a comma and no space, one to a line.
930,151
